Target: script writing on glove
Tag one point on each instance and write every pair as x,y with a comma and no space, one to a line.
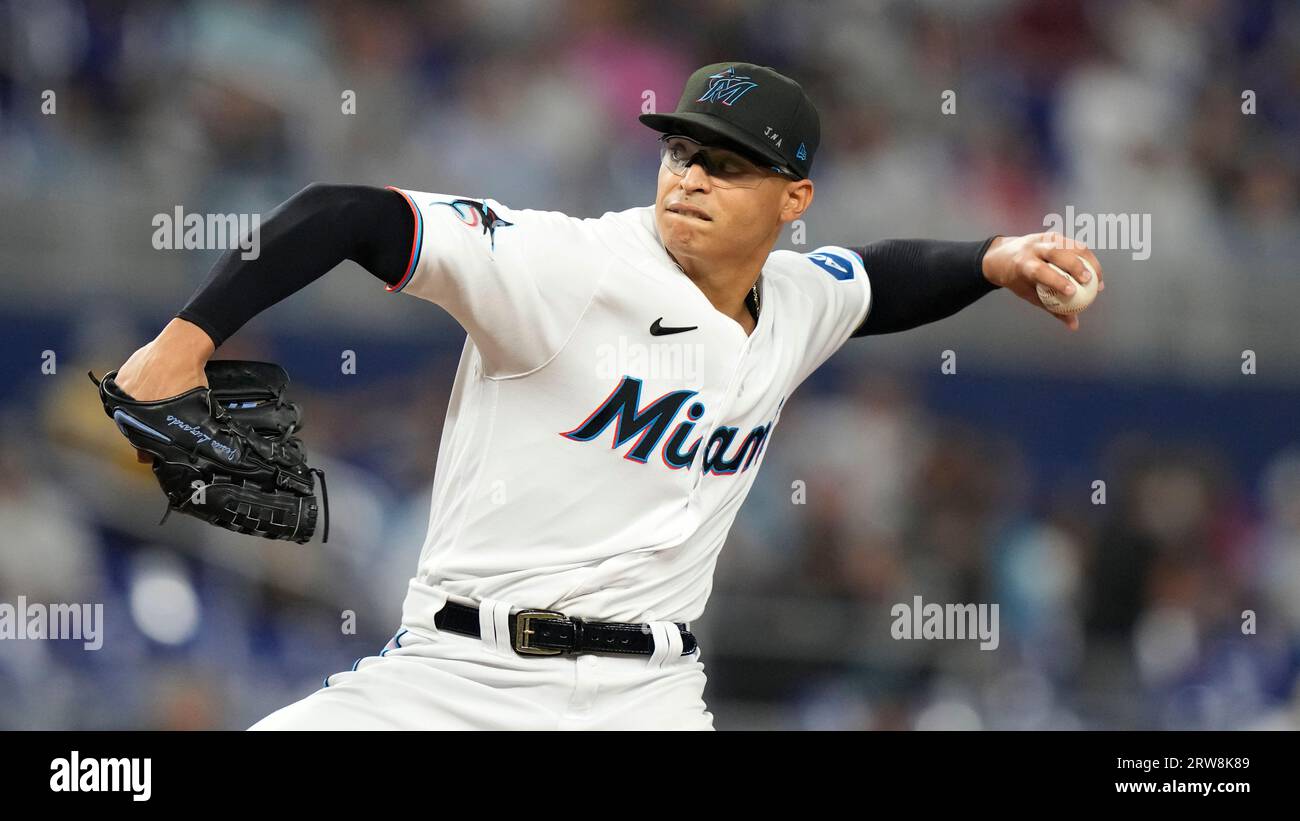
227,453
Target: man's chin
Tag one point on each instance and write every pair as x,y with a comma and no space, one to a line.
681,244
683,232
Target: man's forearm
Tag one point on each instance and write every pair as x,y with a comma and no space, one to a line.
299,242
917,281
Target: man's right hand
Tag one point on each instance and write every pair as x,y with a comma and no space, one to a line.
169,365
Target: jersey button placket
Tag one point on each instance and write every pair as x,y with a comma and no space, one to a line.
735,384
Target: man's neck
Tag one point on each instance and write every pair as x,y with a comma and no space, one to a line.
726,288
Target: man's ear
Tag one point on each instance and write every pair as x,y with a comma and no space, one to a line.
798,198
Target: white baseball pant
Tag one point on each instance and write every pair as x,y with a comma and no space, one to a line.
431,679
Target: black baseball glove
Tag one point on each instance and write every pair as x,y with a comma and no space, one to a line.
226,453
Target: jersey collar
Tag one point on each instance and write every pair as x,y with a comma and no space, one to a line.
658,264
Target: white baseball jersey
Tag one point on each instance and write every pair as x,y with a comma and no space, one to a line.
588,464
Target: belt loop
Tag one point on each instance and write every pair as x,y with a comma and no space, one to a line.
494,625
579,634
668,643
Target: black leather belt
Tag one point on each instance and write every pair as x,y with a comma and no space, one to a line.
551,633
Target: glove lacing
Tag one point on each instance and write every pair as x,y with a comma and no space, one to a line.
284,439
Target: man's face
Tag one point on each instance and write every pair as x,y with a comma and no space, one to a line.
703,221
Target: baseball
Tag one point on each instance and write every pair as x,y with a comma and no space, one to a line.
1084,294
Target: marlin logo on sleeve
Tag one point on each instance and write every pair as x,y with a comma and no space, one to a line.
649,424
726,87
475,213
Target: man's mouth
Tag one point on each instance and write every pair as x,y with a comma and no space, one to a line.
681,209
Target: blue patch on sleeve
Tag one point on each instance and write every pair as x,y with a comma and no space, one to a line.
834,264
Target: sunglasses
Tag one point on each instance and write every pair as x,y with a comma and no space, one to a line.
726,168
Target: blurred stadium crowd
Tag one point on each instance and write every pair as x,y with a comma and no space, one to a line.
972,487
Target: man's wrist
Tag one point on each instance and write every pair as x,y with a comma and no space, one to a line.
983,261
186,338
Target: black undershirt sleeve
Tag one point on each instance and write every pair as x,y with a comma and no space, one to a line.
916,281
299,242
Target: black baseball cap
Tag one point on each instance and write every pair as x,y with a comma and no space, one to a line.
755,108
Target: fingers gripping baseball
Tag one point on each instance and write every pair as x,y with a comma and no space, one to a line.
1047,270
1044,274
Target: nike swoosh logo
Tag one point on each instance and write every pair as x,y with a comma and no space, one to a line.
657,329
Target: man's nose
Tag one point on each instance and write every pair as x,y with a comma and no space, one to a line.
696,176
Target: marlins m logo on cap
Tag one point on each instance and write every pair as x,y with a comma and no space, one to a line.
726,87
778,124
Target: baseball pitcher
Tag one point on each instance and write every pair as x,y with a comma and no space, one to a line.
620,381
